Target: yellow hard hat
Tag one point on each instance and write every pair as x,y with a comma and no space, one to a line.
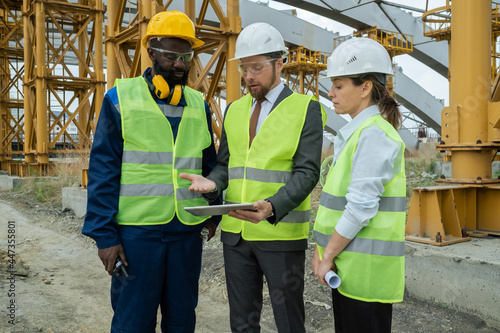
171,24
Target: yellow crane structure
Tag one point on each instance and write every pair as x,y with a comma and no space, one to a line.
52,71
126,58
59,65
467,203
52,74
302,70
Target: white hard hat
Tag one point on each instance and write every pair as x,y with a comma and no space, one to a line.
358,56
259,38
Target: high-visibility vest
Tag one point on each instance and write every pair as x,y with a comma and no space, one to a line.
371,267
258,172
151,191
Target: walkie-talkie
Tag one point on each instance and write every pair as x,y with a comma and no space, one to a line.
119,269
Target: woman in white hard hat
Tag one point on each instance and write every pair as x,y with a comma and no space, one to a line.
359,228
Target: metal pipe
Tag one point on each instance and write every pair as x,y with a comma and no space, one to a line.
146,9
42,135
112,67
99,62
233,91
29,157
470,86
83,114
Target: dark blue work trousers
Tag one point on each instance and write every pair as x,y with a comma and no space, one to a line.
163,271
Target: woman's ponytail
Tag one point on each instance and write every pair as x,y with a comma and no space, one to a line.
389,108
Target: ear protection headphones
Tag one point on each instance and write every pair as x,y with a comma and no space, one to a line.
162,90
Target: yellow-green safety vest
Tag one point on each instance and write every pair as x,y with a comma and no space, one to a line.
371,267
258,172
151,191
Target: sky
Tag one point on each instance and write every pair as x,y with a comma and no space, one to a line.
434,83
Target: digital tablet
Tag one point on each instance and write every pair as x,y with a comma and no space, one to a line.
218,209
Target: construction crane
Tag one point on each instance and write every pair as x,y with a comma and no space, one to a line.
466,204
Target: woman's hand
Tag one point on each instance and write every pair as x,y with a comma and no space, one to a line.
323,268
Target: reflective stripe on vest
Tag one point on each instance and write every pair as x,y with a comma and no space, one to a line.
266,176
366,246
258,172
386,204
372,265
151,192
147,157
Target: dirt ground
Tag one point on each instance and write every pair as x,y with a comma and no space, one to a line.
59,284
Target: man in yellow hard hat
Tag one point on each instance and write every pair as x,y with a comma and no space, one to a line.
150,129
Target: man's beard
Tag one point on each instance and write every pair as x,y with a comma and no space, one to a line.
168,75
261,93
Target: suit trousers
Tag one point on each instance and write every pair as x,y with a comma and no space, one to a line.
354,316
246,264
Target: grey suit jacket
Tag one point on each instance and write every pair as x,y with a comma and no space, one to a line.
305,175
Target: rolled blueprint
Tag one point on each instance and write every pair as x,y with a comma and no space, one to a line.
332,279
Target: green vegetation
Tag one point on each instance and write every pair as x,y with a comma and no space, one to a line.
49,189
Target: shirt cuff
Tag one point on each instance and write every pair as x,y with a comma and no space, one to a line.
347,228
105,242
210,197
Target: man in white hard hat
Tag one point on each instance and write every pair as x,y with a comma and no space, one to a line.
269,155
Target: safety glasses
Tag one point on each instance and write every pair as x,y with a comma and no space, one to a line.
254,67
174,56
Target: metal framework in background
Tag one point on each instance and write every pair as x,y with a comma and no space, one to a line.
302,70
466,204
127,58
63,82
52,73
11,73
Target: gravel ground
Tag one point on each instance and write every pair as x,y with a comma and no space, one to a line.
61,286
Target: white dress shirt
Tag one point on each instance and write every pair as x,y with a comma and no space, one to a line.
267,104
372,168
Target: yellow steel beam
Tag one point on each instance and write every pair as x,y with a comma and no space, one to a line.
233,78
467,203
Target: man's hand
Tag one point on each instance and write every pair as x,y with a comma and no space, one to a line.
199,183
211,230
108,257
264,210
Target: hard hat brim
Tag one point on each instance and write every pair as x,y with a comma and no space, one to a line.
195,42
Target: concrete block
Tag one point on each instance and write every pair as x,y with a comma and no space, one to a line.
10,182
462,276
75,199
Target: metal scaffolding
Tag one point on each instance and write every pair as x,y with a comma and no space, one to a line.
55,47
11,73
52,73
302,70
126,58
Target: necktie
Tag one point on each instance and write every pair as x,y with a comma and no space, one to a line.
254,119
